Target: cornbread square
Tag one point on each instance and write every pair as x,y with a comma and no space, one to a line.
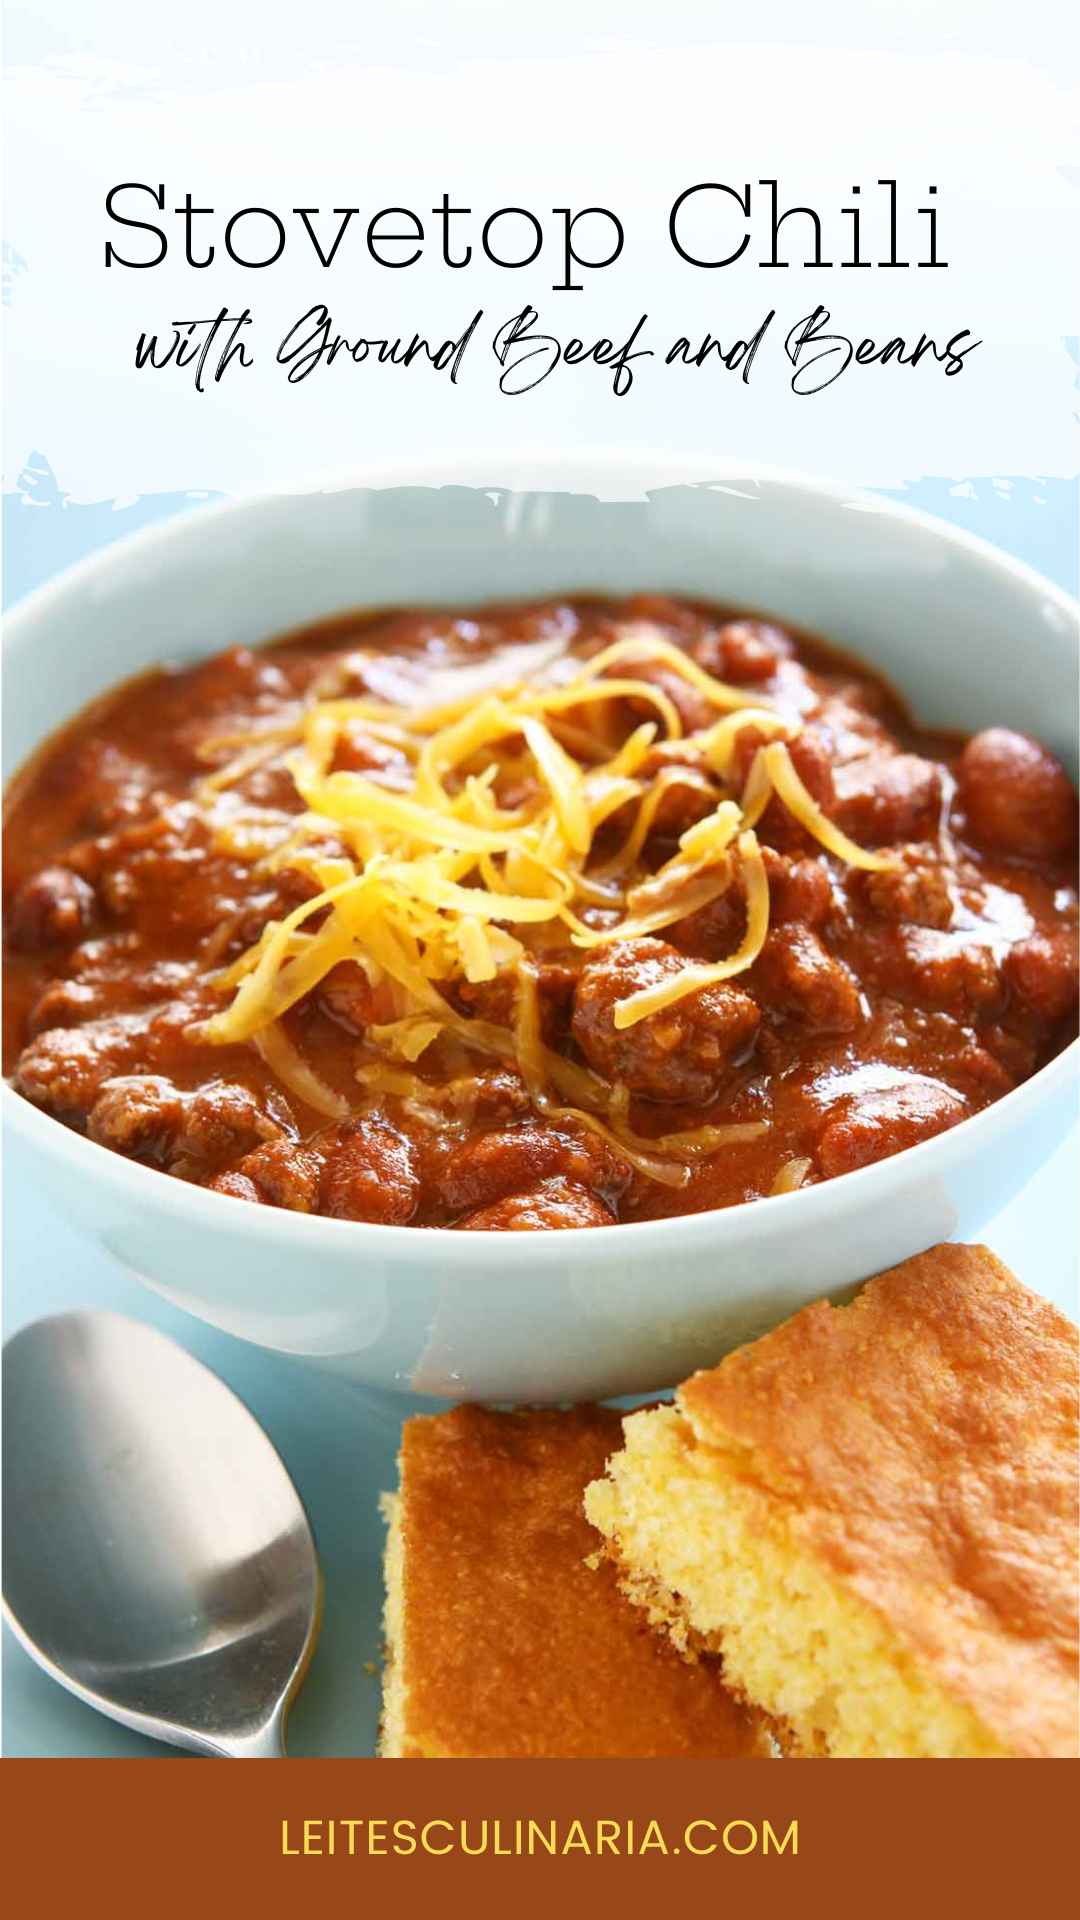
871,1514
502,1641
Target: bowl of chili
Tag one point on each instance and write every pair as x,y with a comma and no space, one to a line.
670,869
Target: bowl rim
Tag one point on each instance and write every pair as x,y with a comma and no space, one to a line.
638,472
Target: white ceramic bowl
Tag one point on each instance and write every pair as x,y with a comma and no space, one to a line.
969,635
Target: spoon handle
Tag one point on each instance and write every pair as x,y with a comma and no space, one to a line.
267,1744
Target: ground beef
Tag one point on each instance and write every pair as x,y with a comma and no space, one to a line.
1016,1054
960,975
859,717
64,1069
1016,797
112,788
238,680
742,651
692,707
680,1054
713,931
107,988
963,976
495,1000
347,997
493,1165
689,794
146,1116
242,928
489,1098
95,856
916,889
162,876
54,908
66,1003
1042,971
811,753
885,798
180,889
796,973
223,1119
370,1173
553,1204
875,1125
798,889
138,1114
879,1124
237,1185
285,1174
984,1072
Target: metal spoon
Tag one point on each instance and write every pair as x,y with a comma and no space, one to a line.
157,1559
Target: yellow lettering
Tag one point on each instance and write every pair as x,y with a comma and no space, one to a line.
770,1843
709,1827
748,1828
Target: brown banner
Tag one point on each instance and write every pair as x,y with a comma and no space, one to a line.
189,1836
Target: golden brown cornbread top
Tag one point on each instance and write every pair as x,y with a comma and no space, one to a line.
515,1648
923,1442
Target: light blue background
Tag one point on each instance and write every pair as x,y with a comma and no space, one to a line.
338,1442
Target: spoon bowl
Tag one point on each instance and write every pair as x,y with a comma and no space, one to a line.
157,1559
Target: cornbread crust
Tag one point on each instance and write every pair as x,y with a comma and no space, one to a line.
904,1469
506,1638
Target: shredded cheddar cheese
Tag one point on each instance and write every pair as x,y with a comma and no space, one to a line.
781,772
498,823
639,1006
791,1176
273,1043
